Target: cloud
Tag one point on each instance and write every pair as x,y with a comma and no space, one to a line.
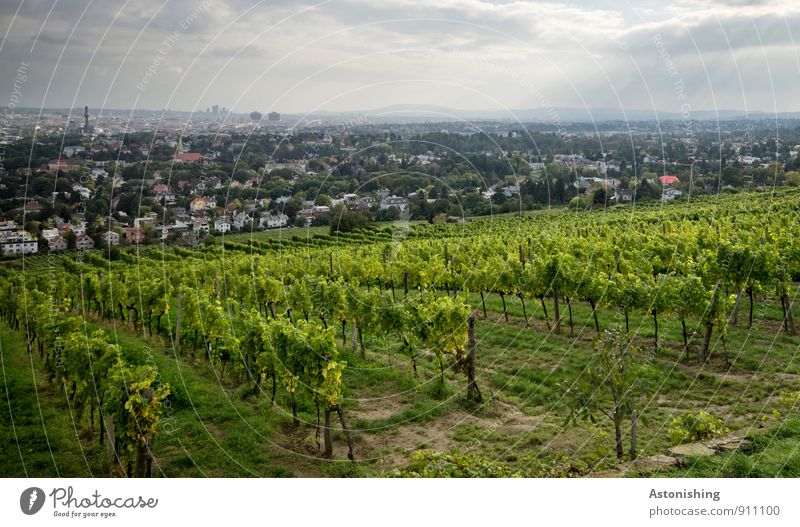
251,54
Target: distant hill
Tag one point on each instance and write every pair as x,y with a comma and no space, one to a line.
410,112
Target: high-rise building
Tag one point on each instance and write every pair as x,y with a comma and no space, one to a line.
86,128
274,116
215,108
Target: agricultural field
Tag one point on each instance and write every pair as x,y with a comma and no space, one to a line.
616,342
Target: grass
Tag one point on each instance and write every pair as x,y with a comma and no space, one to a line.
776,453
285,233
216,426
36,421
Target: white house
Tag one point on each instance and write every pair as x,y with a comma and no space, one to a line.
272,221
222,226
241,219
57,244
394,201
149,219
84,192
83,242
111,238
670,194
8,225
19,242
748,160
49,234
70,151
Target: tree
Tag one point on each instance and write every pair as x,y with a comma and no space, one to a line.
612,383
599,197
343,220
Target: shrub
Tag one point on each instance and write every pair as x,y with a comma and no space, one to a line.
432,464
789,402
695,427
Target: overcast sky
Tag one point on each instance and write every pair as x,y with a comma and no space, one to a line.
296,56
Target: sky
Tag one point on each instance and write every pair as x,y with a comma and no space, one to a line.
357,55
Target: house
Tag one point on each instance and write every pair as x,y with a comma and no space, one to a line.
111,238
200,226
222,226
181,216
8,225
668,180
162,231
511,190
180,227
273,221
313,212
84,192
623,196
607,183
162,191
80,228
18,242
57,244
366,202
189,157
241,219
65,229
202,204
58,164
30,207
394,201
84,242
134,235
149,219
49,234
70,151
670,194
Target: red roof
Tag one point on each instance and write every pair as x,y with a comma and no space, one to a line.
668,180
191,157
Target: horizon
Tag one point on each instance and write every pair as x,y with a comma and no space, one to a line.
456,113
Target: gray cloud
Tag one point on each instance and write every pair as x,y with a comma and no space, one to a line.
357,54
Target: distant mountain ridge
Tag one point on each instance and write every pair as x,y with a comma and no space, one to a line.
554,114
410,113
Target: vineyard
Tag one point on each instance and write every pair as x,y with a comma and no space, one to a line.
552,344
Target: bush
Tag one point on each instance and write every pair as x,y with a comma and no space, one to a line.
789,402
432,464
695,427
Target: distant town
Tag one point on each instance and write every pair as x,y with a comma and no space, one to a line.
72,180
